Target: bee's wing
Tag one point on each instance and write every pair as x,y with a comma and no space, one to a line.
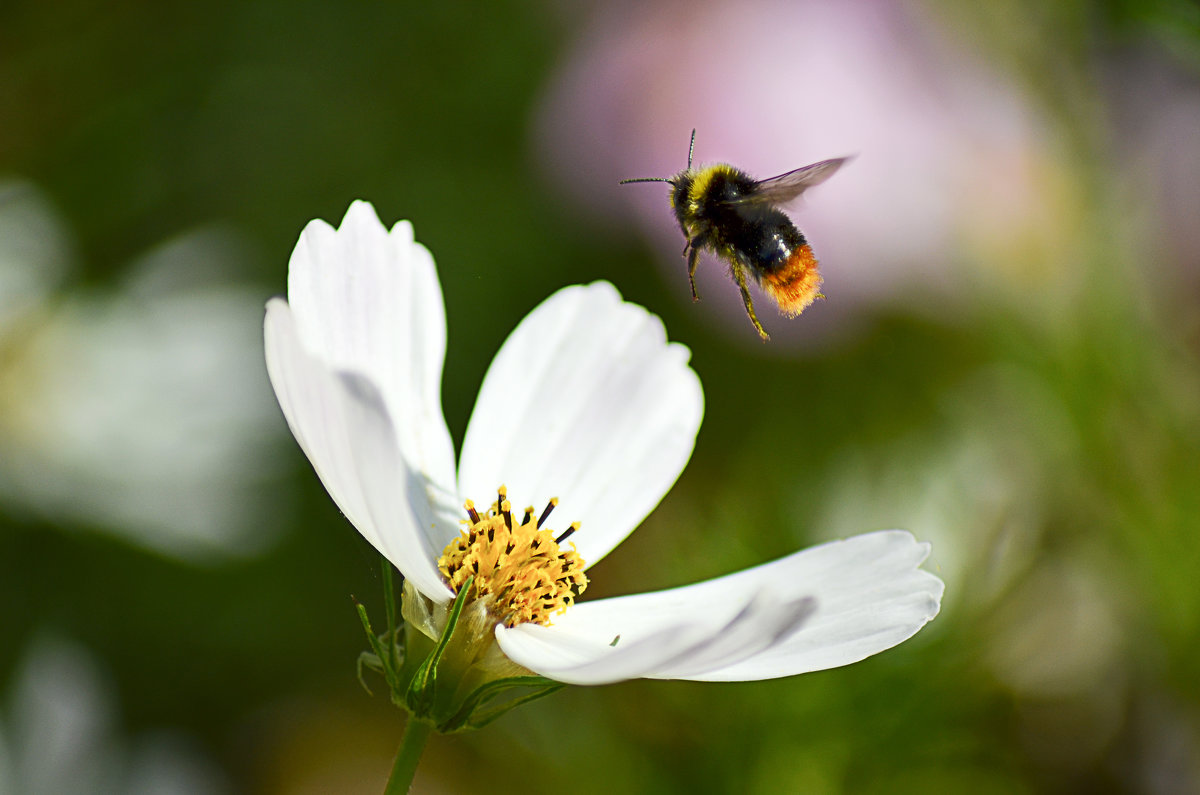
785,187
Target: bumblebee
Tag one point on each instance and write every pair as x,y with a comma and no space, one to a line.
725,210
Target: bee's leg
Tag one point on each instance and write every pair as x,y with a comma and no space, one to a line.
692,251
739,276
693,256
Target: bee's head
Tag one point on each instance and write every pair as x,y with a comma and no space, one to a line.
681,186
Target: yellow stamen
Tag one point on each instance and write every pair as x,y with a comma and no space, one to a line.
520,570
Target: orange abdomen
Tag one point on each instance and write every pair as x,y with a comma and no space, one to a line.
796,283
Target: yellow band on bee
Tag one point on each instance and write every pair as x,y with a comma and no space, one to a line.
704,177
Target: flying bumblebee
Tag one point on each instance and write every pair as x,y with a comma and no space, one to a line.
725,210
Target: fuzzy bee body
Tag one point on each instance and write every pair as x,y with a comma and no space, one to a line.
723,209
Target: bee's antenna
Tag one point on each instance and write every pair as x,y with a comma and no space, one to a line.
691,147
646,179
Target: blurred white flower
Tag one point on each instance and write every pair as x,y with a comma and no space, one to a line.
1059,634
586,401
141,411
975,482
58,735
33,252
953,166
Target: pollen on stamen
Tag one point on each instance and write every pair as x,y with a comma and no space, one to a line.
550,506
519,569
567,533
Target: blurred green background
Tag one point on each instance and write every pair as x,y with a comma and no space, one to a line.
175,585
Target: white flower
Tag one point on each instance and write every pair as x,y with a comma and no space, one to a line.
586,402
60,732
136,410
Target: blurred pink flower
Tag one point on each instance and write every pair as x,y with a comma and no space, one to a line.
1154,106
948,153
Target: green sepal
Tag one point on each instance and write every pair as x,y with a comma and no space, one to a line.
368,660
496,712
418,689
389,673
472,715
420,695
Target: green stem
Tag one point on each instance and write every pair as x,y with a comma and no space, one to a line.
405,766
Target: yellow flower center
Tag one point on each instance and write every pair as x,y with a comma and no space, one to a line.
522,572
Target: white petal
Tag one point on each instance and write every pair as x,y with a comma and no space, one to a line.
368,301
588,660
867,595
761,624
656,649
343,426
586,401
870,596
